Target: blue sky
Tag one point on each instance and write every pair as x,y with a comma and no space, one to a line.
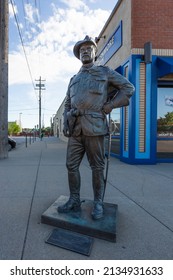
49,29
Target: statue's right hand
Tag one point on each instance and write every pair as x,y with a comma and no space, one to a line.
66,131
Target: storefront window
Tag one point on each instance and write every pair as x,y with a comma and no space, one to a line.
115,132
165,122
115,122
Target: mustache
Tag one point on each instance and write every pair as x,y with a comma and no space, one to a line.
86,54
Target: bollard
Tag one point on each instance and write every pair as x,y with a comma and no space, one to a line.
26,140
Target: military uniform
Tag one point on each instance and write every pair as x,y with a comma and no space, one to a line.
87,102
88,91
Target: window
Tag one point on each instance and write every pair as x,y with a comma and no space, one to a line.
115,131
165,122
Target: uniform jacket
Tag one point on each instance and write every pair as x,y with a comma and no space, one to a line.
88,91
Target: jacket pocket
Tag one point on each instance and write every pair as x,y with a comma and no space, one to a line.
99,124
97,86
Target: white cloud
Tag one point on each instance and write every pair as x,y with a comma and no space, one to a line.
50,51
31,13
75,4
53,46
11,12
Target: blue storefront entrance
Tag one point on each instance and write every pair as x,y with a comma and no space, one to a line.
142,133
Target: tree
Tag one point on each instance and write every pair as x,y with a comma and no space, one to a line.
13,128
169,118
165,124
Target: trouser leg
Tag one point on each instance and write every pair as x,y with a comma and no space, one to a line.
75,154
98,189
74,200
96,157
74,185
98,185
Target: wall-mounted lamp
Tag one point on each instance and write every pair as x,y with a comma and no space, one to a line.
97,39
148,52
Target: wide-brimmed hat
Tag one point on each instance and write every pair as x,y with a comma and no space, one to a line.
77,46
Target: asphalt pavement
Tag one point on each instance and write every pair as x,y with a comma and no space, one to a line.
33,177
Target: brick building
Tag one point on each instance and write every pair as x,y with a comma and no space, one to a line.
137,41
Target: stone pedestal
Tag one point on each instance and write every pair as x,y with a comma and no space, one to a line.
82,221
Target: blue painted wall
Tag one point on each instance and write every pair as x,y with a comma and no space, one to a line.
153,72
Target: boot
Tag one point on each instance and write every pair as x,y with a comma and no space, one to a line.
98,188
73,204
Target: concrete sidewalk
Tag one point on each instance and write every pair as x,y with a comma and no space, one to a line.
32,178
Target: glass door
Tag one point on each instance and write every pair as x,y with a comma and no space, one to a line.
165,122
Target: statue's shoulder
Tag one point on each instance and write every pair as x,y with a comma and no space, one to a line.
103,67
71,79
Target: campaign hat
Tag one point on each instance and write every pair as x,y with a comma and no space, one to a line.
86,40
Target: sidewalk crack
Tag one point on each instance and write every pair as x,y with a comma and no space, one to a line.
163,224
29,215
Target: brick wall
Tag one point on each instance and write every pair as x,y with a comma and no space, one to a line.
152,20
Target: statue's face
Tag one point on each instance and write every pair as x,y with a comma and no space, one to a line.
87,53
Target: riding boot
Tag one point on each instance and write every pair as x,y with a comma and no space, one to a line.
98,188
73,204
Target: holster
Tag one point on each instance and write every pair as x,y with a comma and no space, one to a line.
71,119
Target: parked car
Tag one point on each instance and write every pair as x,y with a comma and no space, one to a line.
11,143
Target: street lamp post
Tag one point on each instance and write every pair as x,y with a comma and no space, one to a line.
20,122
52,124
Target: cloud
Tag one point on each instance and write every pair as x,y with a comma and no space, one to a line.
75,4
52,47
49,48
31,13
11,12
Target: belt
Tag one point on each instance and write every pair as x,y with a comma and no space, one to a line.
90,112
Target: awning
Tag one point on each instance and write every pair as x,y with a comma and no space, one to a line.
164,65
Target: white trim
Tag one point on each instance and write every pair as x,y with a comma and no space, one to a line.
160,52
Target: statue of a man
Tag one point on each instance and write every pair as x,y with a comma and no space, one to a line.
85,123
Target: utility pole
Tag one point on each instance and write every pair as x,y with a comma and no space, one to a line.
3,79
40,87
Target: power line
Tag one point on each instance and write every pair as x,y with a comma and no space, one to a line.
23,109
20,35
24,13
40,86
37,22
39,8
20,108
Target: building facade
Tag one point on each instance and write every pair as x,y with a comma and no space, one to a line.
137,41
58,123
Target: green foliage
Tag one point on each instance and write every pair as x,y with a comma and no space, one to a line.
48,129
13,128
168,119
165,124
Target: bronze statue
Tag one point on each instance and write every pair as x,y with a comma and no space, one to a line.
85,123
